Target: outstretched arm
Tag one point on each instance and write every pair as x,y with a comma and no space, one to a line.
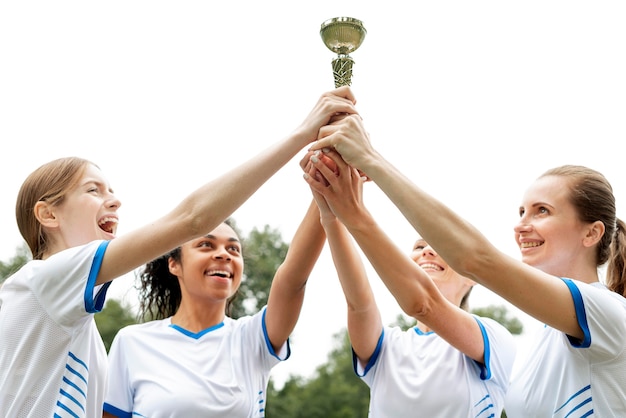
209,205
464,248
364,321
411,286
287,292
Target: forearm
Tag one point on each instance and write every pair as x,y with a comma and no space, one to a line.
364,321
412,288
457,241
288,287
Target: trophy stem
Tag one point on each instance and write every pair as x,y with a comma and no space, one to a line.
342,70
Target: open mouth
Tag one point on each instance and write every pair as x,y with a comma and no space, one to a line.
220,273
108,224
431,266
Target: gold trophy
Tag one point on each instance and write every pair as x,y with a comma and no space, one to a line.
343,35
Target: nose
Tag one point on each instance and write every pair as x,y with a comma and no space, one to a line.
428,250
221,253
112,202
522,226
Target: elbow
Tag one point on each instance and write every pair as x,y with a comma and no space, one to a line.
420,309
476,263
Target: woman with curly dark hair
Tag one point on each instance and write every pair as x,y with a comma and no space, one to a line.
192,359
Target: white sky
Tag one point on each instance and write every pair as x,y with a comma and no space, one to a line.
472,100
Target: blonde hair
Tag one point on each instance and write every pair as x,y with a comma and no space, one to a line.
49,183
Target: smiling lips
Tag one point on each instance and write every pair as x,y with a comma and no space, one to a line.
220,273
431,266
530,244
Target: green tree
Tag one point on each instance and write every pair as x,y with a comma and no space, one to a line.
502,315
264,251
21,257
113,317
333,392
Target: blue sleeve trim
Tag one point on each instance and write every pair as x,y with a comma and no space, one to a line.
115,411
581,316
269,343
372,359
95,305
485,369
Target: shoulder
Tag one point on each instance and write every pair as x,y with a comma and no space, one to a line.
143,329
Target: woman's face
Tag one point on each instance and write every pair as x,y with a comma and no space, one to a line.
449,282
88,211
211,267
549,234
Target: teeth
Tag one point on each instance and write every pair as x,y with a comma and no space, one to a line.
430,266
222,273
106,220
530,244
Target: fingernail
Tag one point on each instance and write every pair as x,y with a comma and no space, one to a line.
314,158
325,150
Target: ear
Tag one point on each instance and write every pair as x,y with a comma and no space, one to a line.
595,232
174,267
44,213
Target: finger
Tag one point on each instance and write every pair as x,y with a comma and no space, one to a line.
335,157
345,92
314,184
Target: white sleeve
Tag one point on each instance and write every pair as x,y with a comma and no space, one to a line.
65,283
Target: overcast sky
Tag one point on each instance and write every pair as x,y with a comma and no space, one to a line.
472,100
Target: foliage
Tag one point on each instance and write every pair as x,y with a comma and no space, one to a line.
113,317
21,257
333,392
500,314
264,251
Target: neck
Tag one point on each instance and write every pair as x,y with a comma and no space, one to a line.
196,319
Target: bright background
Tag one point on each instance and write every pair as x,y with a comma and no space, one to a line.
472,100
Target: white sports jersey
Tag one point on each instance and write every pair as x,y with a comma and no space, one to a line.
562,377
415,374
157,369
52,359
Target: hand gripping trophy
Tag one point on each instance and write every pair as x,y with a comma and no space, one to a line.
342,35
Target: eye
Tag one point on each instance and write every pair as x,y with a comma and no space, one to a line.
206,244
521,212
543,210
234,248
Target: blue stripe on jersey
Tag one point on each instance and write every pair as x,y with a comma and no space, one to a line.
581,315
91,305
268,343
196,335
485,369
374,357
66,409
118,412
486,409
577,401
72,394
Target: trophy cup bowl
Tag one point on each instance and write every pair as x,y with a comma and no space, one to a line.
343,35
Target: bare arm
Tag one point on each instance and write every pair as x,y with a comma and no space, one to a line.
209,205
413,288
364,321
464,248
287,291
